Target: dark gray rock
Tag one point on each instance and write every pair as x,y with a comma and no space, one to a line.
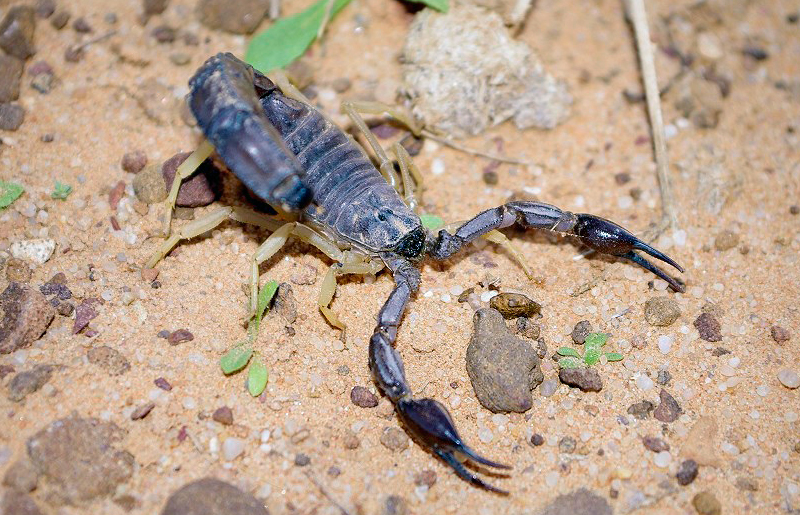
579,502
581,330
11,116
240,17
16,32
503,369
10,76
687,472
77,459
25,315
668,410
26,383
587,379
210,496
284,304
395,505
641,410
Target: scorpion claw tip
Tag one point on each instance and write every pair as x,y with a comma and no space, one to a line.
465,474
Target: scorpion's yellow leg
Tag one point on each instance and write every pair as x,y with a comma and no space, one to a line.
352,265
185,170
412,189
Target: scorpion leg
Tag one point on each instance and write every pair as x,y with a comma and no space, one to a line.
350,265
426,419
185,170
596,233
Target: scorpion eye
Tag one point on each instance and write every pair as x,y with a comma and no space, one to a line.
382,216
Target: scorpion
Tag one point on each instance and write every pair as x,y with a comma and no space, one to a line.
326,190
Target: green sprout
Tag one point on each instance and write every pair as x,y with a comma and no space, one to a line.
242,353
61,191
593,343
9,192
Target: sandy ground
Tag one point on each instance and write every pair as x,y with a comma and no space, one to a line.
748,163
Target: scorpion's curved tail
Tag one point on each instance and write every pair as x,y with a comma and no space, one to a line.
426,419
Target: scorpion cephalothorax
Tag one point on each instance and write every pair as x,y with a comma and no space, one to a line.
295,159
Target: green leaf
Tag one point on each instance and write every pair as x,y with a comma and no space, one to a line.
568,363
431,222
595,340
257,377
591,357
289,37
264,297
9,192
61,191
568,351
614,356
235,359
440,5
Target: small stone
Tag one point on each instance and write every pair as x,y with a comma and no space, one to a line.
16,32
747,484
84,313
38,250
16,502
210,496
513,305
180,336
350,440
45,8
284,304
180,58
11,116
232,448
65,309
341,85
425,478
79,460
74,54
153,7
25,315
641,410
503,369
757,53
668,410
301,460
490,177
726,240
17,270
567,445
794,209
525,327
537,440
163,384
142,411
789,378
109,359
655,444
779,334
687,472
363,398
394,505
580,502
334,471
115,195
708,327
10,76
149,274
706,504
164,34
134,161
581,330
394,439
22,476
200,190
549,387
661,311
81,25
148,185
663,377
43,83
701,443
60,20
240,17
26,383
5,370
587,379
223,415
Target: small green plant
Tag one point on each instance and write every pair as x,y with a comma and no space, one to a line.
242,353
593,343
431,222
61,191
9,192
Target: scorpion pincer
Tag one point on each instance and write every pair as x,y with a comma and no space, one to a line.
296,160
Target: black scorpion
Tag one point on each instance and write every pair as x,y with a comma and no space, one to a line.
296,160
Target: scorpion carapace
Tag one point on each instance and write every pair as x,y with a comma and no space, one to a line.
294,158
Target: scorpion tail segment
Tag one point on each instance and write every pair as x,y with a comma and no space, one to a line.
609,238
465,474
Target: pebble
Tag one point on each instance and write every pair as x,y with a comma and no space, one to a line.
581,330
537,440
10,76
134,161
668,410
109,359
662,459
664,344
28,382
17,502
580,502
641,410
655,444
661,311
201,189
779,334
16,32
341,85
706,504
37,250
223,415
148,185
726,240
350,440
394,505
363,398
240,17
5,370
81,26
789,378
18,270
701,442
301,460
394,439
22,476
426,477
164,34
503,369
284,303
84,313
587,379
153,7
663,377
567,445
142,411
211,496
514,305
708,327
79,459
232,448
687,472
180,336
548,387
45,8
11,116
60,19
25,315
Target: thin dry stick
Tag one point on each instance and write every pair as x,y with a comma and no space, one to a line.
642,33
326,494
462,148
